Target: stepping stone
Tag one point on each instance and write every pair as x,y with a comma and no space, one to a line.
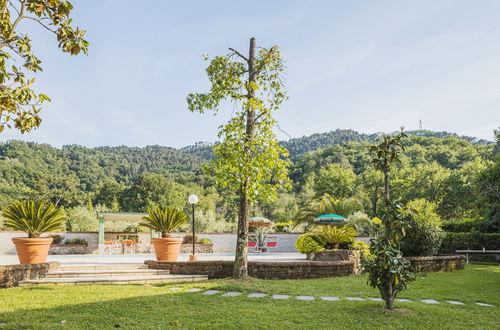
355,298
256,295
305,298
330,298
453,302
231,294
484,304
377,299
430,301
193,290
176,288
403,300
211,292
280,296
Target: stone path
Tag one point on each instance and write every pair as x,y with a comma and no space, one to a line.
312,298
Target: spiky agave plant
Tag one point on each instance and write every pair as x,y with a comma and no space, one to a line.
164,219
34,218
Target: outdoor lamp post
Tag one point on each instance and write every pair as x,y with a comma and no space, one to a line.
193,199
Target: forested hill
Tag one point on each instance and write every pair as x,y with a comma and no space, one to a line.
316,141
304,144
130,178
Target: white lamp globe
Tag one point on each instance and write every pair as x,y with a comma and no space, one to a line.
193,199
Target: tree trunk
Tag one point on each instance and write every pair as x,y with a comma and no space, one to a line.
389,295
240,269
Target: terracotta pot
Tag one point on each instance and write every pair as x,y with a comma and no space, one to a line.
167,249
32,250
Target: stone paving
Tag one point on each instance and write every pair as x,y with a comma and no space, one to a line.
312,298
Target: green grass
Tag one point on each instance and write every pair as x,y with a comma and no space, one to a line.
156,307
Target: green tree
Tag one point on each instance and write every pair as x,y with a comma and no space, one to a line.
388,271
335,180
249,159
19,104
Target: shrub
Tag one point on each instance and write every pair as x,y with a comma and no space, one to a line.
188,239
424,234
283,227
461,226
76,241
363,224
204,241
469,241
308,242
209,222
363,248
333,236
81,219
56,239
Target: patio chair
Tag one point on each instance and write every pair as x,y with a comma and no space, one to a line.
271,245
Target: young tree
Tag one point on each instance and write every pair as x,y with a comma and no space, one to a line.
248,159
388,271
19,104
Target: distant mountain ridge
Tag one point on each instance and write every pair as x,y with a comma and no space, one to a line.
304,144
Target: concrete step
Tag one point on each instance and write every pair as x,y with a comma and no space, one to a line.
105,273
100,267
145,279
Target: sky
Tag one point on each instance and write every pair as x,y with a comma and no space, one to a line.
370,66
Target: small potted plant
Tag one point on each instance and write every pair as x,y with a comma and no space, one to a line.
165,220
34,218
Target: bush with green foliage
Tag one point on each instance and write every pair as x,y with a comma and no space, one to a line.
363,248
57,239
81,219
308,242
204,241
76,241
461,226
424,234
469,241
333,236
363,224
34,218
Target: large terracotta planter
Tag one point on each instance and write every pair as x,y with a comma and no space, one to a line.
167,249
32,250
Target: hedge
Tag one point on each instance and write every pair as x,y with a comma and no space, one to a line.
461,226
469,241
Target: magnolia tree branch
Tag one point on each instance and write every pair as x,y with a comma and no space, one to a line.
39,21
263,63
238,53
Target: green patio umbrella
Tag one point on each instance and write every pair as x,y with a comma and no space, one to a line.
330,219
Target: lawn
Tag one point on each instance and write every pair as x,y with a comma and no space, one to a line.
158,307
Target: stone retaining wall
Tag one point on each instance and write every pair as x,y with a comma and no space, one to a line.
263,270
11,275
198,248
68,249
337,255
443,263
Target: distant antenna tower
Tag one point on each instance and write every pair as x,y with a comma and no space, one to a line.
420,124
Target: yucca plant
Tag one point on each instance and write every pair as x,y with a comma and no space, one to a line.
333,236
34,218
164,219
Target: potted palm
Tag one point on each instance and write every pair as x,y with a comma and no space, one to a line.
34,218
165,220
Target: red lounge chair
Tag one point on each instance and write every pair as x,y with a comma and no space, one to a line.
252,244
271,245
